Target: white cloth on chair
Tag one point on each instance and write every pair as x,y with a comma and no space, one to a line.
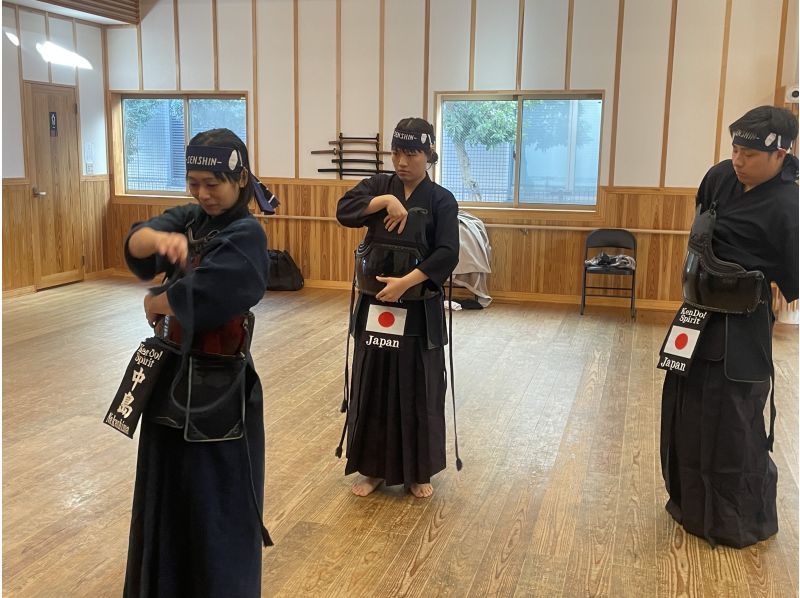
474,257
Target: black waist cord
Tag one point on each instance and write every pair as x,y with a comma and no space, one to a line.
345,408
459,464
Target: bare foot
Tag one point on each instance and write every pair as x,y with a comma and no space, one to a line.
366,486
421,490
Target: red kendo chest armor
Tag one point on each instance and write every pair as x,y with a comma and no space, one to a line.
228,339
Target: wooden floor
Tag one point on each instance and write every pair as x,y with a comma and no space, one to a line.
558,416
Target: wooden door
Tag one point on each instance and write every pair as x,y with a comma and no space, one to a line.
51,128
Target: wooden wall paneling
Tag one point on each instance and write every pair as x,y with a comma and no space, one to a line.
94,209
528,264
17,245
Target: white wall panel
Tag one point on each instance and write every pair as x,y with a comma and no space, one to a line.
750,78
61,35
594,49
317,83
790,53
699,30
195,30
123,58
275,94
92,101
448,61
158,45
32,32
360,66
544,44
496,27
404,63
235,66
642,85
13,154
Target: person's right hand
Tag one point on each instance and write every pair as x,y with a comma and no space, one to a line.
175,246
396,214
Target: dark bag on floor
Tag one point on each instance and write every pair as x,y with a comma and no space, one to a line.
284,275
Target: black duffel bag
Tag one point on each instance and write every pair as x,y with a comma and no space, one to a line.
284,275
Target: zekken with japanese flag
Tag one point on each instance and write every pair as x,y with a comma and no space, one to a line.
715,443
396,396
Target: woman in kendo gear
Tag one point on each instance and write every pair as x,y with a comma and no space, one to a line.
395,416
196,527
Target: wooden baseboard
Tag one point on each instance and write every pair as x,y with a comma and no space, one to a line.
19,292
519,297
107,273
646,304
328,284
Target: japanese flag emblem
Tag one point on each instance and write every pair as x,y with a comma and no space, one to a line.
681,341
386,320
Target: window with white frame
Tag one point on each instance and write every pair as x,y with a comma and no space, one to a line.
521,150
157,129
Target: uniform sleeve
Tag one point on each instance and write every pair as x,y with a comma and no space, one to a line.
350,209
703,193
173,220
787,282
443,259
231,278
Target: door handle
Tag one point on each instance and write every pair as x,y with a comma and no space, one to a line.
37,193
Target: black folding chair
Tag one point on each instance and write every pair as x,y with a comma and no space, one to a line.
612,238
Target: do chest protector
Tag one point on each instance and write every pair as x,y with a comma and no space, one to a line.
386,253
714,284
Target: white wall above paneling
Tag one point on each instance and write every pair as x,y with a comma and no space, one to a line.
404,63
317,83
61,35
448,60
789,76
32,32
195,32
92,101
496,27
123,58
750,79
13,154
544,44
275,93
360,67
593,60
158,45
235,47
695,91
642,85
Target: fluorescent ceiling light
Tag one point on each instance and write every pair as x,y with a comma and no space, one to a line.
57,55
12,38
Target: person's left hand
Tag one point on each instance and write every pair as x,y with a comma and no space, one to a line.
149,311
394,289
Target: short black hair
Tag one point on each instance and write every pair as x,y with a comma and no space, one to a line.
420,125
228,139
768,119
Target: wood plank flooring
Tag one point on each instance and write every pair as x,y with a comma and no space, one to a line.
558,419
